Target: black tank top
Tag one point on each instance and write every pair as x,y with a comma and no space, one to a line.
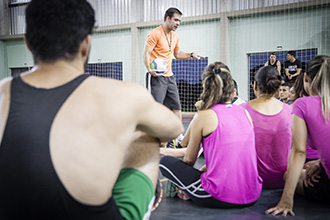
274,65
29,185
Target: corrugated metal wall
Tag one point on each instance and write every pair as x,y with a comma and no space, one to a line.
249,4
111,12
17,16
116,12
155,9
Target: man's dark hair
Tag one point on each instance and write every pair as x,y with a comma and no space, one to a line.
273,53
287,84
55,29
170,12
292,53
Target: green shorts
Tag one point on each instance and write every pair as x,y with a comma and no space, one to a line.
134,194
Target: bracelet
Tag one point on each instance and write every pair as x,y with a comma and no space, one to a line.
191,54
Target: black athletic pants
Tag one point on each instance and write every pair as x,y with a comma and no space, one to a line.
188,179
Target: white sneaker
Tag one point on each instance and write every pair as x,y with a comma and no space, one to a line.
179,138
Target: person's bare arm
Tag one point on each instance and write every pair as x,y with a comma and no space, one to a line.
146,60
279,68
178,152
4,102
153,118
286,71
295,166
297,73
182,55
195,138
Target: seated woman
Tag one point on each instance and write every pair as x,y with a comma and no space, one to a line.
272,127
226,132
310,121
180,149
299,91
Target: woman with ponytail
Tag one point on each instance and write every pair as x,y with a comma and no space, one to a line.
272,127
310,125
226,132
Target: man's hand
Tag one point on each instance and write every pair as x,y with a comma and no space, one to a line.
196,56
154,73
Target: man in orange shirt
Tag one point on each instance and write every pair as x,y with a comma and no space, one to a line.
162,42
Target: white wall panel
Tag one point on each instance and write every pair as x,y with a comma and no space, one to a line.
155,9
116,12
236,5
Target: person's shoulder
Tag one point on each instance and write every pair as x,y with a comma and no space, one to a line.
204,116
157,30
304,101
5,80
113,87
5,84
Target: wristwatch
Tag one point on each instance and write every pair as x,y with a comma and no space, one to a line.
191,54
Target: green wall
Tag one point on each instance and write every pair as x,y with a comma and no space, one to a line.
3,65
114,46
14,54
292,29
18,55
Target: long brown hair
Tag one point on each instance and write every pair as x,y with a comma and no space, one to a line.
318,70
218,85
299,87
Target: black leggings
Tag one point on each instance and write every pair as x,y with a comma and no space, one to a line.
188,179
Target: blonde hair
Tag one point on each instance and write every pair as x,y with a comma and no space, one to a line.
318,71
218,85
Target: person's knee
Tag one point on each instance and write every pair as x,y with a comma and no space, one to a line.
167,160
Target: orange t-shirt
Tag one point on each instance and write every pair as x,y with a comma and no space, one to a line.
156,39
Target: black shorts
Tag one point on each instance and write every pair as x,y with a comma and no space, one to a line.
164,90
321,190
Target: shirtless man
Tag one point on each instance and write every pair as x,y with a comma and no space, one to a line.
66,138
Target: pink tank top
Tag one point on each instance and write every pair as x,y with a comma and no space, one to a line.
273,143
230,156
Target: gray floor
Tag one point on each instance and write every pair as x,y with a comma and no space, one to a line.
175,208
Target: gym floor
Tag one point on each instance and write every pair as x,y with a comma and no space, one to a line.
175,208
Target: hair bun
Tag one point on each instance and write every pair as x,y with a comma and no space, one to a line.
273,82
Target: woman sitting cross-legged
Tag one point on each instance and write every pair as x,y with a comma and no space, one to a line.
226,132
